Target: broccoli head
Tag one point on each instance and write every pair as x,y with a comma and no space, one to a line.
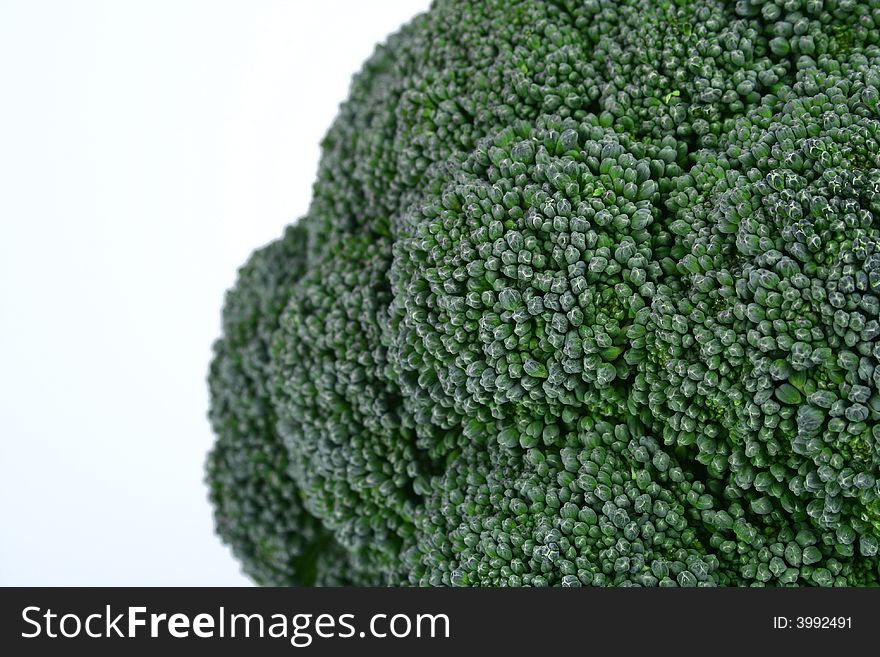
588,294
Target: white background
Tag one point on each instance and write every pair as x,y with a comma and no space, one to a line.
146,148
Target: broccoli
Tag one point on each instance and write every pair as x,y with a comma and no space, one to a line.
259,510
588,294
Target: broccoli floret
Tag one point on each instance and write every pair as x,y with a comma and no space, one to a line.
351,450
258,507
772,292
588,293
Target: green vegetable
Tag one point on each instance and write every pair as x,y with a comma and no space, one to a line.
588,294
259,510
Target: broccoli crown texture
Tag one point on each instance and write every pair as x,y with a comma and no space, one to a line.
588,294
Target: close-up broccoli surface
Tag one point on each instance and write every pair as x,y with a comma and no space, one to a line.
588,294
